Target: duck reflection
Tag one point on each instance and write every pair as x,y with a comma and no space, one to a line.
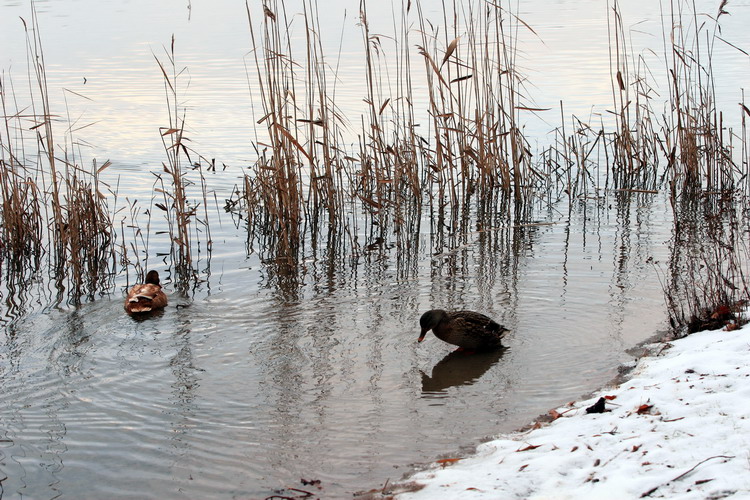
140,318
458,368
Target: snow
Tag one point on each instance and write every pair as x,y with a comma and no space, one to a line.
692,442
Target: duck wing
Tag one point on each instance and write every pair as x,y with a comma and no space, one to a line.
144,298
473,321
471,331
147,292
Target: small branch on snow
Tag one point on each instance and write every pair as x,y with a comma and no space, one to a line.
698,464
691,469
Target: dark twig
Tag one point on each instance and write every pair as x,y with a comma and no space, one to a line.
691,469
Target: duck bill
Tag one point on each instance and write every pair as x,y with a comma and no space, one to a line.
421,336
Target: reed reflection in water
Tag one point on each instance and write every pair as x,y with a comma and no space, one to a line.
272,372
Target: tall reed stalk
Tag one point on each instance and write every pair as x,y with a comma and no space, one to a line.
185,217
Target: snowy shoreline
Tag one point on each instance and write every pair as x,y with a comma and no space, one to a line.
677,427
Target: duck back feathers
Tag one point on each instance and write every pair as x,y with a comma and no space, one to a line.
146,297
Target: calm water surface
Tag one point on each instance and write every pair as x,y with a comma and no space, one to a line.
262,377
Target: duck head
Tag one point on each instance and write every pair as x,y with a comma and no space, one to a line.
430,320
152,278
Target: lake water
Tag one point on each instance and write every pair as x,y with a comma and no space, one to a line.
261,378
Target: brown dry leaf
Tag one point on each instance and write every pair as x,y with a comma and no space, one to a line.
447,461
462,78
529,447
448,53
106,164
526,108
371,202
423,52
620,81
294,141
610,398
721,311
644,408
382,107
554,414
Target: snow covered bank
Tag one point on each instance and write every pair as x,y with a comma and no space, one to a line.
678,428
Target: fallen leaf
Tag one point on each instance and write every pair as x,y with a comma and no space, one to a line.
529,447
554,414
644,408
610,398
522,467
574,449
703,481
447,461
720,312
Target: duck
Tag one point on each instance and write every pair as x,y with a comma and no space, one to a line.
146,297
469,330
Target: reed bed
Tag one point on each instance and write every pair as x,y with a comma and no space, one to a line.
51,206
473,157
22,205
439,142
473,147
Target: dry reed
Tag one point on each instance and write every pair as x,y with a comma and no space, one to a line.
309,191
187,219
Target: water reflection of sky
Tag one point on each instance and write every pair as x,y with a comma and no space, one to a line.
112,47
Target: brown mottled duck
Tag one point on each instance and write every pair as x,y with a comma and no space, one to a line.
468,330
146,297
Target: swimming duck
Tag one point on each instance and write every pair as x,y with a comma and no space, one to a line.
468,330
147,297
